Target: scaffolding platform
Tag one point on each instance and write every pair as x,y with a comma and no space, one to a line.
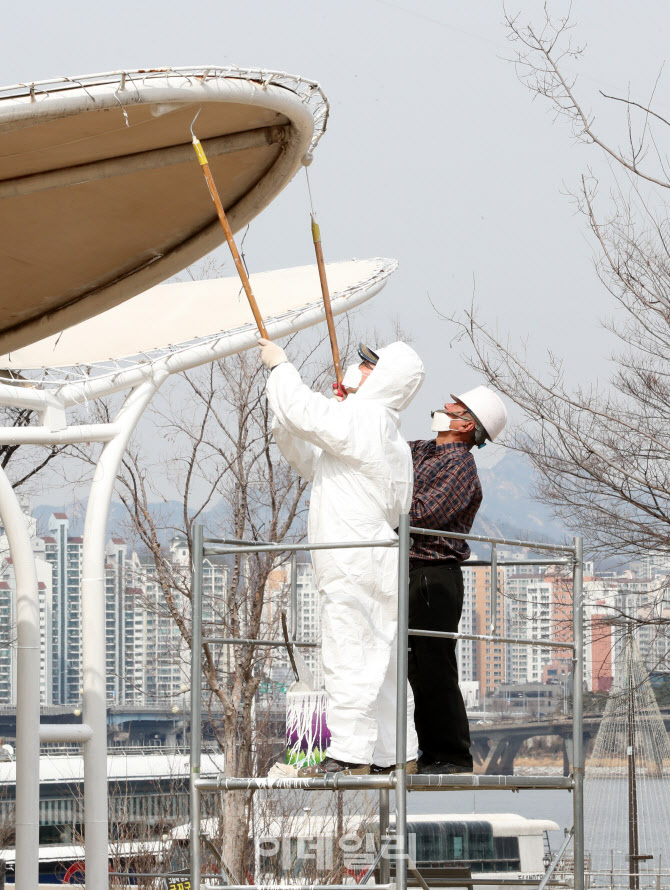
398,781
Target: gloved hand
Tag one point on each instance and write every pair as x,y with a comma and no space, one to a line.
271,354
339,392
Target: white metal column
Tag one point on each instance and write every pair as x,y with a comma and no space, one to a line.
93,634
28,688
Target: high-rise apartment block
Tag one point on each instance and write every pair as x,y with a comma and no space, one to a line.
146,658
480,661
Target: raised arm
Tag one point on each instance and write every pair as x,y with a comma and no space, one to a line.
324,423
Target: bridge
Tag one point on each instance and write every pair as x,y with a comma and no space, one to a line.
496,745
129,724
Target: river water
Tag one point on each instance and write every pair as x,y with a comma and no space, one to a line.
606,815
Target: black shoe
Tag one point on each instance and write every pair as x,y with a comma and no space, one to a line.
330,765
411,769
442,768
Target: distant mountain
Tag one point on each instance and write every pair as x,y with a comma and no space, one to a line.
509,510
166,513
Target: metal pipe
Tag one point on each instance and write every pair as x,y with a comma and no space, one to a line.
64,732
450,635
196,703
41,435
252,642
28,688
557,858
517,562
401,704
384,813
22,395
417,874
328,782
207,541
302,886
467,564
369,872
294,595
494,588
467,781
532,545
214,550
458,782
633,839
578,711
152,159
458,883
93,640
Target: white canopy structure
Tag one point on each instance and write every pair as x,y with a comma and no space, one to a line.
216,321
102,196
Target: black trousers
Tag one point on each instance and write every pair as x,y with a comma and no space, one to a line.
436,603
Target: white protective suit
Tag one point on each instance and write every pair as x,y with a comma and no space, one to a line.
360,468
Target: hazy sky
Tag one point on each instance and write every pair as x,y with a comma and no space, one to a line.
435,153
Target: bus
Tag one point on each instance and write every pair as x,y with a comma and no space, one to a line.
307,848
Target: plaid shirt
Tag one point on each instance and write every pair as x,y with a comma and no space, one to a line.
447,495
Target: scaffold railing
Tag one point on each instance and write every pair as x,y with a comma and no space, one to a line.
569,556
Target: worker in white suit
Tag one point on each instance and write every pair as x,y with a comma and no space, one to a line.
360,468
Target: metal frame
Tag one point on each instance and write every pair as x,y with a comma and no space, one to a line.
397,780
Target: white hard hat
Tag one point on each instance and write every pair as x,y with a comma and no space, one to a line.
487,407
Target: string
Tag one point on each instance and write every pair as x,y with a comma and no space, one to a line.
309,191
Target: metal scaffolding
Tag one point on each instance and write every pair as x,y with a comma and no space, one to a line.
398,781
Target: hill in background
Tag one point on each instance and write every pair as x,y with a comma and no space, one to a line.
508,509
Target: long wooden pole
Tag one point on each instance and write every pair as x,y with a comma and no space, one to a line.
316,236
241,271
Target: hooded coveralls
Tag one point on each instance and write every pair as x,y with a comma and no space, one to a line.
360,468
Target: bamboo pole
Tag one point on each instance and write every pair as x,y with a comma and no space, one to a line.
316,237
241,271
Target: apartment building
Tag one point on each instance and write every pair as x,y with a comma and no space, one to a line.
147,660
8,594
479,661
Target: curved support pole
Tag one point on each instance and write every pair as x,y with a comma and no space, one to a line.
93,634
27,688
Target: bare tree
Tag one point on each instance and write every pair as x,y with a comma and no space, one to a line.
601,451
23,463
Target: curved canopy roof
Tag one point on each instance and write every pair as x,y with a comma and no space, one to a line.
102,197
194,322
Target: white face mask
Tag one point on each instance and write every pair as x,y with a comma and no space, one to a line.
441,421
353,377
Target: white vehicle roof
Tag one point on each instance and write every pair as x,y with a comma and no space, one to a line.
68,852
502,824
70,768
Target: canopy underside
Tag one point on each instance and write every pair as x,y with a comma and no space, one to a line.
102,197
